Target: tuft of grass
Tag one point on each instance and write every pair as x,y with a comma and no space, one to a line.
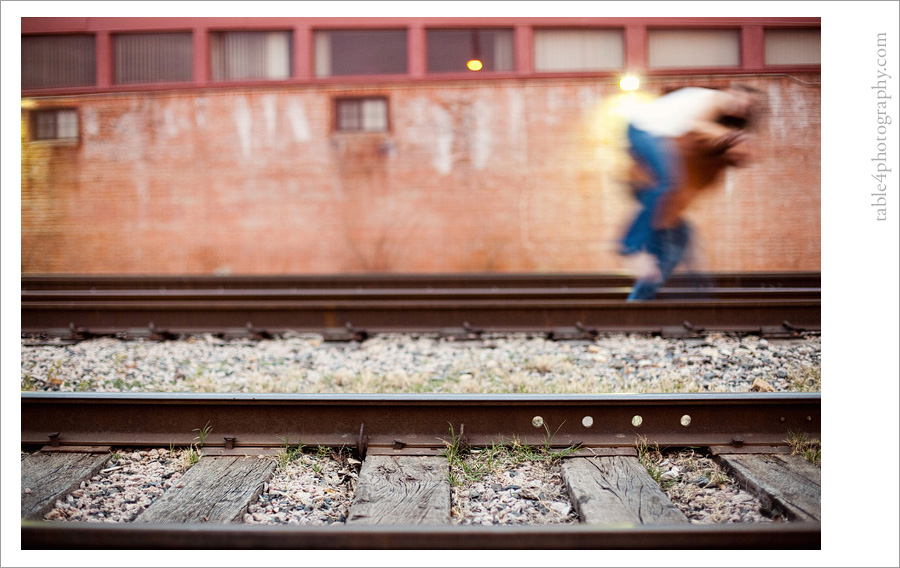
551,455
809,448
202,435
468,465
455,451
805,379
193,452
193,455
650,457
31,383
689,463
288,454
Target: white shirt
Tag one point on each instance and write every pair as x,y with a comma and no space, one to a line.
674,114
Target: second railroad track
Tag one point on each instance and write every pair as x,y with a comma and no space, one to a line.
343,307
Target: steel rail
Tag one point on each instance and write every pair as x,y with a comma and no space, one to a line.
37,282
423,315
81,535
381,294
417,424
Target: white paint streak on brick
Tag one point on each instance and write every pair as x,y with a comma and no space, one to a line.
270,113
588,97
130,139
90,123
515,103
481,136
443,139
553,105
777,124
243,121
90,139
200,116
170,122
296,113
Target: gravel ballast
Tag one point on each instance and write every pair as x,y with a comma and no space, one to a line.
426,364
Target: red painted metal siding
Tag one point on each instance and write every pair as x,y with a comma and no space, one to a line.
635,42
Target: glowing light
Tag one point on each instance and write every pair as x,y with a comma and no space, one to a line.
629,82
474,65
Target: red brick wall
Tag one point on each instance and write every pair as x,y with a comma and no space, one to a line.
513,175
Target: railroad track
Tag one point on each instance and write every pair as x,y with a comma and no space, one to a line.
618,504
411,281
348,307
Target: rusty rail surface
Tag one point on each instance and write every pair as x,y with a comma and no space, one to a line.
37,282
420,425
562,305
417,424
796,536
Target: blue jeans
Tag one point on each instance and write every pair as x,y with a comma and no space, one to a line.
668,246
657,155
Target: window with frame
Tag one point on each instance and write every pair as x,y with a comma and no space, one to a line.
693,48
360,52
55,124
450,50
793,47
578,50
58,61
250,55
365,114
153,58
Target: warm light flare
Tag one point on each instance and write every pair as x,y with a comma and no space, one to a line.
629,82
474,65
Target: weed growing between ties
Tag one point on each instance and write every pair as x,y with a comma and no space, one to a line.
468,465
192,454
809,448
288,453
510,483
316,458
699,487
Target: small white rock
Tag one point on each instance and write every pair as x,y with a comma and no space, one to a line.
670,475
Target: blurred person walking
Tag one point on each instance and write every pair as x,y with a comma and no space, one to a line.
681,143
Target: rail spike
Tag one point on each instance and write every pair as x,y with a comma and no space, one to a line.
362,442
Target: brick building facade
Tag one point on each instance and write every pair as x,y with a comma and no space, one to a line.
511,170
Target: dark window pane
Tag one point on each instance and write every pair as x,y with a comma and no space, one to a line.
153,58
45,125
360,52
55,124
58,61
349,115
362,115
450,50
